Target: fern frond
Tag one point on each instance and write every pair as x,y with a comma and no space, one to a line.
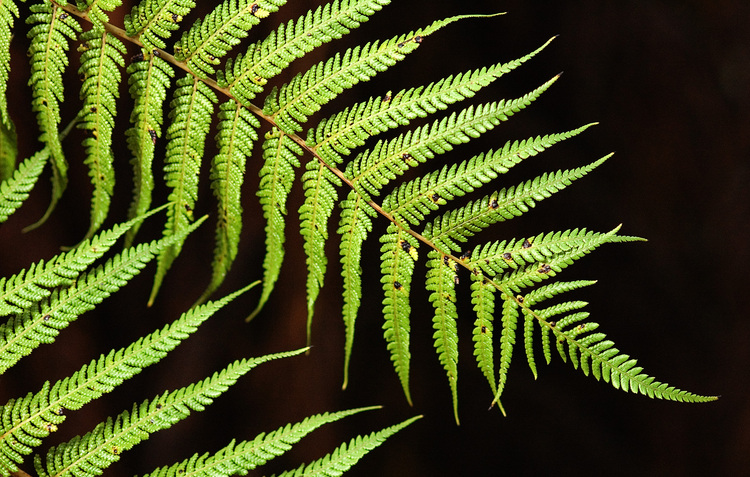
397,266
246,75
153,21
321,193
595,354
210,38
8,13
355,224
42,323
192,107
8,149
47,408
15,190
483,301
338,135
293,103
344,457
236,137
149,78
96,11
441,281
52,29
507,342
239,458
280,158
92,453
21,290
412,201
459,224
101,59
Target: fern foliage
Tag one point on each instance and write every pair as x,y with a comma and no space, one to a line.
226,101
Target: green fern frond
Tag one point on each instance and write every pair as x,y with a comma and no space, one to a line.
338,135
355,224
90,454
413,200
246,75
293,103
96,11
153,21
507,342
236,137
211,38
101,60
441,281
43,411
23,289
41,323
8,13
483,301
192,108
344,457
459,224
51,31
8,149
397,266
149,77
280,158
15,190
239,458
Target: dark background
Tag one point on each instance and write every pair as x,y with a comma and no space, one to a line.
669,83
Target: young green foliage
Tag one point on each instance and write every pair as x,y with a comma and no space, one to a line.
15,190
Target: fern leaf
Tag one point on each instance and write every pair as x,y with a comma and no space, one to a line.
483,299
149,78
210,38
594,354
153,21
319,184
412,201
344,457
51,30
397,266
92,453
48,407
15,190
355,224
191,112
281,157
455,226
507,342
101,59
20,291
246,75
96,11
441,281
338,135
236,137
239,458
8,13
42,323
293,103
8,149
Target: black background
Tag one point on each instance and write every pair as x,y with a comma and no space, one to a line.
669,83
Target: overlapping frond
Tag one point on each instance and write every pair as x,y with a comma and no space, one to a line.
149,77
51,31
44,410
8,14
246,75
153,21
192,108
15,190
210,38
91,454
344,457
237,458
101,60
280,159
41,323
